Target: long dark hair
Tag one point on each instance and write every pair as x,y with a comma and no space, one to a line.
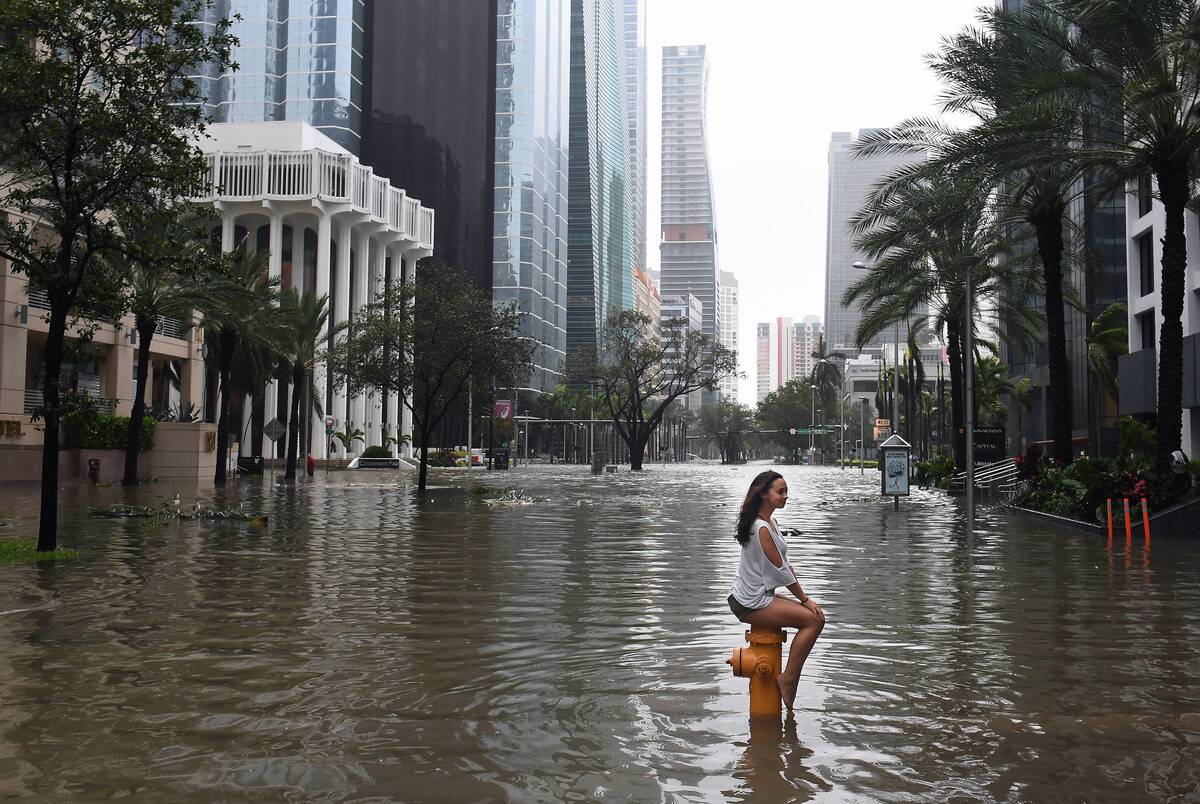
751,504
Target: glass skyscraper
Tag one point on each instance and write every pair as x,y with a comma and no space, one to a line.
599,265
635,113
296,61
688,249
529,256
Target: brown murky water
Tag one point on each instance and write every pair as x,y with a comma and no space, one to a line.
368,647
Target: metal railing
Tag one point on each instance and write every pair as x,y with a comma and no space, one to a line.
231,175
170,327
33,401
38,298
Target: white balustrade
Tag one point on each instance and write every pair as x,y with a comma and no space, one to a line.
298,175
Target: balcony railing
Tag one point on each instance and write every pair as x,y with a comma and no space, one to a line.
33,401
171,327
235,175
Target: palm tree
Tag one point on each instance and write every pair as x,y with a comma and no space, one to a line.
1022,395
923,234
308,333
242,310
1134,65
991,383
348,435
1021,148
166,268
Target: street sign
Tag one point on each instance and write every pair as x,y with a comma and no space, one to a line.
503,409
328,425
274,430
894,453
883,429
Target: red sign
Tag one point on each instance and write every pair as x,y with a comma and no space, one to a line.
503,409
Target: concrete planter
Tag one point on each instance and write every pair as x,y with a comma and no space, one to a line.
1182,519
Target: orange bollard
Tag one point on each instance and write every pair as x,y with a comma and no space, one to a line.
1145,519
1128,521
761,662
1109,501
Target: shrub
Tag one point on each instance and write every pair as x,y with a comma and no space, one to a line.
445,457
1136,438
936,471
377,452
84,427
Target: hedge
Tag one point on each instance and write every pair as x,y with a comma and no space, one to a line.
100,431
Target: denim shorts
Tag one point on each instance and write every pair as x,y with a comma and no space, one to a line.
738,609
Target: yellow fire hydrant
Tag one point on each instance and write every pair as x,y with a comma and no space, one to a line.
761,662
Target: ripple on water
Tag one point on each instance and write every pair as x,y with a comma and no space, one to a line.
367,646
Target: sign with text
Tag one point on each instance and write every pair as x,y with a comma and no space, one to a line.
503,409
883,429
894,465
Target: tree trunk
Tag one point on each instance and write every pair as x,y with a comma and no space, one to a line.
258,420
293,441
145,327
1048,225
1174,188
52,356
957,410
227,343
640,434
423,473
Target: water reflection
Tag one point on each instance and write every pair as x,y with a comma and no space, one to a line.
369,645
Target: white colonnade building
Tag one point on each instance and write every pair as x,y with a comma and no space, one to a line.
331,227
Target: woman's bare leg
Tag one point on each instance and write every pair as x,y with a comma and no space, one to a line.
781,613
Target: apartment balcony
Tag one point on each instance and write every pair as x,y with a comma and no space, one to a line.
241,175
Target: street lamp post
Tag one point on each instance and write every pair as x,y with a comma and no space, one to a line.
970,263
842,434
862,444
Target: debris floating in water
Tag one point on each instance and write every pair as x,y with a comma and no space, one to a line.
165,511
513,496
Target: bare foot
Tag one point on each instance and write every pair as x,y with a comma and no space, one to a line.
787,690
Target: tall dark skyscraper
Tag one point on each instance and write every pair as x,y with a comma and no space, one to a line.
431,94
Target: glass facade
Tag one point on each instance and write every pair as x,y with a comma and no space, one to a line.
431,126
529,257
296,61
599,266
635,113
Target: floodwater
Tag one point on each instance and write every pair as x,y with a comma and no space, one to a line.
365,646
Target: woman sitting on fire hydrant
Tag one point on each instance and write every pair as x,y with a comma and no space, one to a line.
762,568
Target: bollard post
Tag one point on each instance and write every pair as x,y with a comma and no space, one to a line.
1145,520
1109,503
1128,522
761,662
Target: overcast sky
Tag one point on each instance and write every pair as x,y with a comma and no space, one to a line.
784,75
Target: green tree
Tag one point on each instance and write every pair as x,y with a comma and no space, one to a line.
96,109
640,375
991,384
787,408
923,236
168,260
307,319
243,314
1134,64
426,343
727,425
1108,339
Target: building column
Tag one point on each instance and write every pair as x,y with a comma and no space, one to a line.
298,266
357,296
390,254
410,258
274,271
316,437
341,313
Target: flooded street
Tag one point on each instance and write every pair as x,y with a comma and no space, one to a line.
365,646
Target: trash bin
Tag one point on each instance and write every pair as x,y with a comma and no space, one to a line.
94,469
599,458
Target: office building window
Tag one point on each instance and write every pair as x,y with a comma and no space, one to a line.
1146,328
1145,194
1145,256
